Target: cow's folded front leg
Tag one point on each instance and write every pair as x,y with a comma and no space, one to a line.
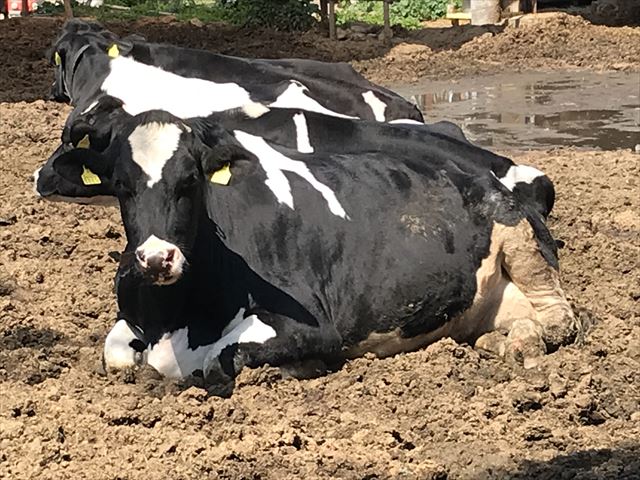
123,347
267,339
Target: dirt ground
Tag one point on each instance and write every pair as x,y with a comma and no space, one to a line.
443,412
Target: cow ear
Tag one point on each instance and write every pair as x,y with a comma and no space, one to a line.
226,164
85,168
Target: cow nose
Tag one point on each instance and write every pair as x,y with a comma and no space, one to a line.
160,261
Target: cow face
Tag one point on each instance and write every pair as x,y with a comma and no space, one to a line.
80,40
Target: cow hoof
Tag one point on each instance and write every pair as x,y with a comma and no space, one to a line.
491,344
524,344
561,331
217,381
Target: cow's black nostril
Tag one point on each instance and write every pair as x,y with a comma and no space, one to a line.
155,263
170,255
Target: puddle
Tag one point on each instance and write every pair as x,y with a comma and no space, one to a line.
537,110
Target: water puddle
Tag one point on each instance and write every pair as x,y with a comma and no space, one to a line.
537,110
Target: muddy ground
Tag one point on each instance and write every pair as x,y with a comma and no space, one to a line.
444,412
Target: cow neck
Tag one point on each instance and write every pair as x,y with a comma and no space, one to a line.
88,75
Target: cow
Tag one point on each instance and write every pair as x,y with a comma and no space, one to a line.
307,132
90,60
244,253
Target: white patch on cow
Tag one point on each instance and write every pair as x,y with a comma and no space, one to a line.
520,173
249,330
117,350
152,145
89,108
36,175
274,163
377,106
302,131
409,121
295,97
154,246
255,109
237,320
145,87
173,357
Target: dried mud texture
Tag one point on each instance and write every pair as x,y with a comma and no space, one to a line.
547,41
443,412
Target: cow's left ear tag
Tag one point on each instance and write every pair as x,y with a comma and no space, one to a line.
56,59
113,51
84,143
222,176
90,178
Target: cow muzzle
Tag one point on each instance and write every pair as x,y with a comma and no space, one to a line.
160,261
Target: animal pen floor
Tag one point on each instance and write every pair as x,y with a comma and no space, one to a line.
443,412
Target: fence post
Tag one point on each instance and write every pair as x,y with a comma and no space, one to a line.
387,21
68,12
332,19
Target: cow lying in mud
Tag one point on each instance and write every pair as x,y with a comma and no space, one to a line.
90,61
306,132
242,252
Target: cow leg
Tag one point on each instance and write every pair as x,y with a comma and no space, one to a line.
123,347
539,282
267,338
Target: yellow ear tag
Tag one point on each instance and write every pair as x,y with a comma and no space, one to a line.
113,51
90,178
222,176
84,143
56,58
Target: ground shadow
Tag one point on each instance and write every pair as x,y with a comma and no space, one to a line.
597,464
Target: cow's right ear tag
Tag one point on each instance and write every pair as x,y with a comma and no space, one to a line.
222,176
113,51
56,59
84,143
90,178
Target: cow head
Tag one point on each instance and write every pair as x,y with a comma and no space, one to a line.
77,42
158,166
94,128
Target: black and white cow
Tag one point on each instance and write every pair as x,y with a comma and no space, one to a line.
244,253
91,61
307,132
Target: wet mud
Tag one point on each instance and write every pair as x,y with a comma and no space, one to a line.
443,412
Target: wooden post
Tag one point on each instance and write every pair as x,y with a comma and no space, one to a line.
68,12
332,19
387,21
25,8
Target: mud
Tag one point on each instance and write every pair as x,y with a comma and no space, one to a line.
443,412
537,109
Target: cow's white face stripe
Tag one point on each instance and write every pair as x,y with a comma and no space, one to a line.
117,350
89,108
295,97
144,87
377,106
173,357
408,121
274,163
152,145
249,330
255,109
520,173
302,133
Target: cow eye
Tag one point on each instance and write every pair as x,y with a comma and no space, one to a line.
187,184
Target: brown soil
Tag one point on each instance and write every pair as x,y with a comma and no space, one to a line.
444,412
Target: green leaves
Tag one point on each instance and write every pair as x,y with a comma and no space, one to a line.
406,13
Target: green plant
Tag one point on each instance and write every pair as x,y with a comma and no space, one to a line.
406,13
276,14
